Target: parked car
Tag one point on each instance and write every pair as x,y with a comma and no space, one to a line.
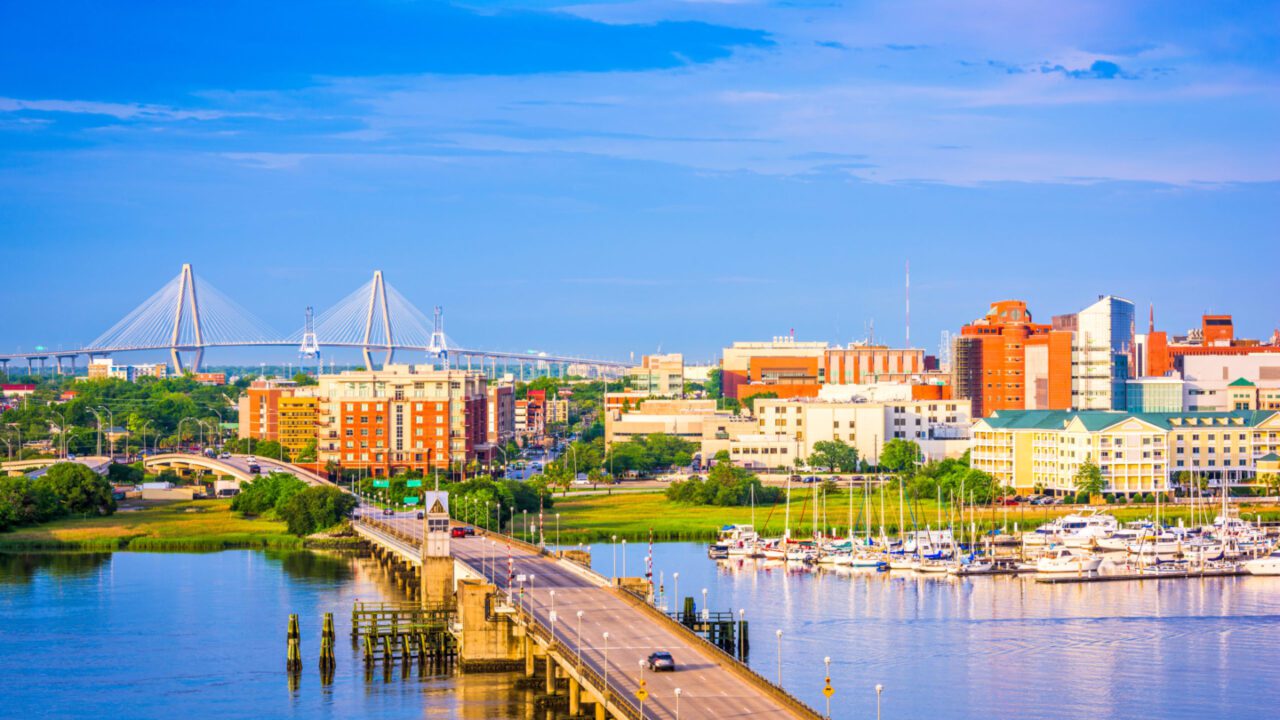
661,661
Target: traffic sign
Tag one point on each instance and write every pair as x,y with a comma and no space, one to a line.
411,500
828,690
413,483
381,483
642,694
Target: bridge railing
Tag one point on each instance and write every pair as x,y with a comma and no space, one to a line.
727,660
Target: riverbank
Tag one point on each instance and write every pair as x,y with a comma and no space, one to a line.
199,525
631,515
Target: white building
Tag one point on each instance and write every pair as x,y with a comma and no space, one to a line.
1207,381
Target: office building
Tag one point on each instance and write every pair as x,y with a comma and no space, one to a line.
658,375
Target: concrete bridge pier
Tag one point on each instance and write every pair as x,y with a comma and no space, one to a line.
575,696
551,675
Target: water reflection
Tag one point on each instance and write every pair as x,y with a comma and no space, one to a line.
962,648
21,568
318,566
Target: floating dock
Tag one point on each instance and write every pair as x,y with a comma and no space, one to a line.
1122,577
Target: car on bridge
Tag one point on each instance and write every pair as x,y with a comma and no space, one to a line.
661,661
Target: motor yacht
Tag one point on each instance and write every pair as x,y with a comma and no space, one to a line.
1061,559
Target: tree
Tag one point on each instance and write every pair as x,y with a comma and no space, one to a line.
750,401
1270,482
1088,478
302,378
308,452
834,454
121,474
315,509
714,385
22,502
899,454
267,493
79,489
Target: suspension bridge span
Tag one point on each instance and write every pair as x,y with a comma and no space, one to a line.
188,316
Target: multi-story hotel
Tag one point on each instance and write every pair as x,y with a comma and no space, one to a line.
788,429
403,417
1137,452
279,410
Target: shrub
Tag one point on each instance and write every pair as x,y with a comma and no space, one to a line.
316,508
1121,499
79,489
267,493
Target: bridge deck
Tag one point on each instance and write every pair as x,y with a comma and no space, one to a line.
710,686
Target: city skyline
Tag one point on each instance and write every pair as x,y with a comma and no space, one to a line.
670,176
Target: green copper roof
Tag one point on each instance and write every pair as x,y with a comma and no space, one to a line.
1240,382
1094,420
1269,457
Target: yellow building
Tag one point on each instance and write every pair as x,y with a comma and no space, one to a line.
297,421
1041,450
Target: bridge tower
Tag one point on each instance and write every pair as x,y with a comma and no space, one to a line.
310,349
439,347
187,304
437,562
377,299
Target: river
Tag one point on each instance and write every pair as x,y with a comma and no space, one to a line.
157,635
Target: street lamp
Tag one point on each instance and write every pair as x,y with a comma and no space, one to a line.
677,703
706,611
606,667
111,423
879,689
779,634
580,639
557,531
642,697
676,577
827,661
624,557
614,547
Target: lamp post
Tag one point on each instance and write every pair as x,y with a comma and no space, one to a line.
642,696
624,557
111,423
606,668
676,576
677,703
62,427
579,639
779,634
614,575
99,419
557,531
879,689
827,661
706,611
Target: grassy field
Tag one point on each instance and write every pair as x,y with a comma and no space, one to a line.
195,525
632,515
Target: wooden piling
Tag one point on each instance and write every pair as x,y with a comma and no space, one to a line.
293,659
327,659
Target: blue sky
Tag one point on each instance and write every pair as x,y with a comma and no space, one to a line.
617,177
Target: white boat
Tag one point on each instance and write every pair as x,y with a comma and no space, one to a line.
739,540
903,562
835,558
1131,533
865,560
1084,529
1066,560
927,542
1266,565
940,567
1048,534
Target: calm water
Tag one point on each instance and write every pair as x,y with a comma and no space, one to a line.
996,647
165,636
139,635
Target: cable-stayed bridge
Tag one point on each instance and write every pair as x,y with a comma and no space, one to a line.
188,316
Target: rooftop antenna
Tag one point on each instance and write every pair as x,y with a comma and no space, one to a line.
1151,319
908,303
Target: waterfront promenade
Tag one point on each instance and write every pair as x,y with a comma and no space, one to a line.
711,684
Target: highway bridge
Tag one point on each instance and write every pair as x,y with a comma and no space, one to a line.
38,467
236,466
190,316
601,651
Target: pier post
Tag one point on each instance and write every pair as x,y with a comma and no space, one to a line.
601,713
575,696
528,656
551,675
327,661
293,660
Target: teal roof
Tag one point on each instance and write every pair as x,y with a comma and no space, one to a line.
1240,382
1094,420
1269,457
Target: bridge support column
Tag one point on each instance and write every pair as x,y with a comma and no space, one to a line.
437,581
529,664
487,642
575,696
601,713
551,675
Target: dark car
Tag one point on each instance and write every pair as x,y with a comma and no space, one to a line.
388,511
421,515
661,661
254,468
458,532
468,531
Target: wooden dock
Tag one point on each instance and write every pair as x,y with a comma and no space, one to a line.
1128,577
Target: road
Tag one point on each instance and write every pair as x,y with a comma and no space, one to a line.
98,464
708,690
